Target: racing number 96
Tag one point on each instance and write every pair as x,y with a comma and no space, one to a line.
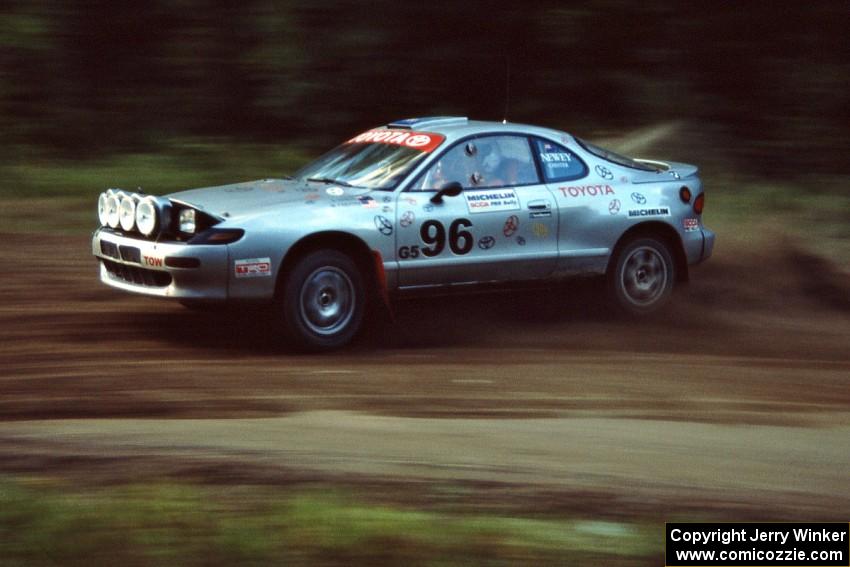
433,234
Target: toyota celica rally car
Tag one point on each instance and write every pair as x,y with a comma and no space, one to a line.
418,204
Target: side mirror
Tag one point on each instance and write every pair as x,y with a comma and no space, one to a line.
450,189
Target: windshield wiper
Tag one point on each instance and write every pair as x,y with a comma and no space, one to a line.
330,180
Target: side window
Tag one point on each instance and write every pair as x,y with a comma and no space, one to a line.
481,163
558,163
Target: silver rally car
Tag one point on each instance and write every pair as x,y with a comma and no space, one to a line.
418,204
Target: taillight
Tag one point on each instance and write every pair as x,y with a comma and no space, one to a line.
685,195
699,204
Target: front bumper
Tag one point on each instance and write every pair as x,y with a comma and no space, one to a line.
697,244
162,269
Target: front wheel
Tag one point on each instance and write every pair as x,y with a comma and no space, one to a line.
641,276
323,301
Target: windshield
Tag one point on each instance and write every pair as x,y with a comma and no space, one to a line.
373,164
614,157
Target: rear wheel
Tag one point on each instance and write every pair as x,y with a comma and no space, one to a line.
323,301
641,277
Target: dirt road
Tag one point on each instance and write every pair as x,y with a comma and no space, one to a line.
735,399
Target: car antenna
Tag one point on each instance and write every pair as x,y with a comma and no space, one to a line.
507,88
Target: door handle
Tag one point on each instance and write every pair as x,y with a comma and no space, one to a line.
539,205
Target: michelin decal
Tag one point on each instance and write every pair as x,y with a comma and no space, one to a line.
491,200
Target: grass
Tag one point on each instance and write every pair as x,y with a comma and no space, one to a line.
41,193
179,164
812,214
48,523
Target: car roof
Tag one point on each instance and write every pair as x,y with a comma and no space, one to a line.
455,127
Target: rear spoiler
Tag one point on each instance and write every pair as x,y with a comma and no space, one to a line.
674,169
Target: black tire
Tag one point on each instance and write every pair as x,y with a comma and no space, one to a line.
641,276
322,301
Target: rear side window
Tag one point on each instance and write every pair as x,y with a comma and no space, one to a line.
614,157
558,163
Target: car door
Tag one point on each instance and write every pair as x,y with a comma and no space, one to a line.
589,202
503,226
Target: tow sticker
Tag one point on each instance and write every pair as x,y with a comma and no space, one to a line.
146,260
253,268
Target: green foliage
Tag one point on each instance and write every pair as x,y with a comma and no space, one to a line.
180,164
767,81
812,215
45,193
184,524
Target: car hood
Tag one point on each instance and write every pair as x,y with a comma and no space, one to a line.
251,197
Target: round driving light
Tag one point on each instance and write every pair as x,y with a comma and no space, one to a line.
127,212
112,204
101,208
146,216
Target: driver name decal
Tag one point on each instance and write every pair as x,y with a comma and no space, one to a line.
491,201
422,141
